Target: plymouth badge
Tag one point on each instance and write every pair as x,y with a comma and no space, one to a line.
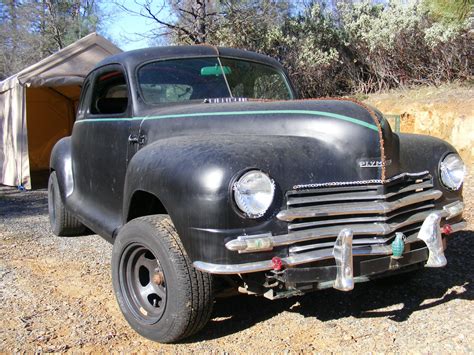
373,163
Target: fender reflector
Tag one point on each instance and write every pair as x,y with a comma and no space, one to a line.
447,229
277,264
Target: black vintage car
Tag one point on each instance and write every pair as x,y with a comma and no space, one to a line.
207,173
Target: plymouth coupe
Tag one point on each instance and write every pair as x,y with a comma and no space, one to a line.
208,174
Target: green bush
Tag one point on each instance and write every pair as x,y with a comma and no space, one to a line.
357,47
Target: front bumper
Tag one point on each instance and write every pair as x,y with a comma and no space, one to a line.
432,238
321,277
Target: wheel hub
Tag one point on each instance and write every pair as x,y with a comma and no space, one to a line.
158,278
144,283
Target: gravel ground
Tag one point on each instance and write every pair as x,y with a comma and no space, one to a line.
56,295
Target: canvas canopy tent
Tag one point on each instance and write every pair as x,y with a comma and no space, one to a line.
38,104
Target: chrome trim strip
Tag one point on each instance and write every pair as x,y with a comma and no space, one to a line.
336,189
376,207
458,226
361,182
316,255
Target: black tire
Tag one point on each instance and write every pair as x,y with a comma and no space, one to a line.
161,295
62,222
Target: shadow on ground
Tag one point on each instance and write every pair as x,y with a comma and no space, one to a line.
365,301
16,204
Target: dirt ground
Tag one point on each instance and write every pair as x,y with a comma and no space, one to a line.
56,295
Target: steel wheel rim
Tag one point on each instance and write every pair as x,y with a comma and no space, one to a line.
143,283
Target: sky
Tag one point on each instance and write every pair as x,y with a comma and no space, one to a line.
120,26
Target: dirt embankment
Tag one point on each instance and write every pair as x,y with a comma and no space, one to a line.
445,112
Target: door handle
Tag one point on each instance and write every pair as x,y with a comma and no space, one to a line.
136,139
133,139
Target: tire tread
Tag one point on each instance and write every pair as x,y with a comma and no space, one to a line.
66,224
200,291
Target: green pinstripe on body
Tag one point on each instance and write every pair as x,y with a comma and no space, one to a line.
240,113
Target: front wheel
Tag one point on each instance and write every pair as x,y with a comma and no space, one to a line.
161,295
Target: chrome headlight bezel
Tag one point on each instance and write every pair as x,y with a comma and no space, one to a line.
251,205
448,164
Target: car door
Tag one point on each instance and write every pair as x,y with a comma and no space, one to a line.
100,148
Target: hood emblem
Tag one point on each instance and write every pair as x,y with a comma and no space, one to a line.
373,163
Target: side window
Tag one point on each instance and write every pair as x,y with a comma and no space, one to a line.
270,87
110,93
83,101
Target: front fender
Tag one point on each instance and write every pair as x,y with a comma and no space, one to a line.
193,177
420,152
61,162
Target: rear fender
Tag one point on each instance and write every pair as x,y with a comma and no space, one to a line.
61,163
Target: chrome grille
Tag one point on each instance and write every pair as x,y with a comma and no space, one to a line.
373,212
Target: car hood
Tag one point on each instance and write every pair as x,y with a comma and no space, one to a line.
347,139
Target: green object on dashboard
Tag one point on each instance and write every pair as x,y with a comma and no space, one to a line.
215,70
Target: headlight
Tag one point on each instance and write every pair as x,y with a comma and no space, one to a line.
253,193
452,171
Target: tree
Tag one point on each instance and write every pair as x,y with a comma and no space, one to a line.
249,24
33,29
180,21
17,45
207,21
62,22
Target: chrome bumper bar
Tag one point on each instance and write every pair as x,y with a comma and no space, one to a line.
266,242
323,254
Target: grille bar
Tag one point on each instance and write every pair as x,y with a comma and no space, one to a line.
383,218
363,229
375,229
373,213
354,208
366,194
411,237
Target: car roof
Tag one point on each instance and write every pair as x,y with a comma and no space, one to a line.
135,57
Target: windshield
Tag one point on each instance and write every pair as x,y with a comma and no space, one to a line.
205,78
